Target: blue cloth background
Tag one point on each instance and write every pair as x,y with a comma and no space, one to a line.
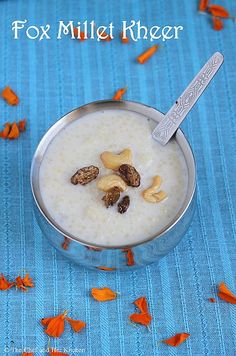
52,77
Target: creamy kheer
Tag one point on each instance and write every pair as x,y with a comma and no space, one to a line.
79,209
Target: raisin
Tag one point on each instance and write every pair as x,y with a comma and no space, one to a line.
124,205
85,175
129,175
111,197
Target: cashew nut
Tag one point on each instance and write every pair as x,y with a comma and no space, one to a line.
151,194
114,161
110,181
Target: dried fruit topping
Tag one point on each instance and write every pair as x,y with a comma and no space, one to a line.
152,195
130,175
111,197
85,175
110,181
114,161
124,205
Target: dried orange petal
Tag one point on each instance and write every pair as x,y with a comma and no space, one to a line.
5,284
124,39
119,93
77,325
81,35
147,54
5,132
141,303
177,339
10,96
104,268
225,294
129,256
203,5
21,125
218,11
142,318
217,24
14,132
103,294
212,300
55,325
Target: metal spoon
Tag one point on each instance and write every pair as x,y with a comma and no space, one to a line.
177,113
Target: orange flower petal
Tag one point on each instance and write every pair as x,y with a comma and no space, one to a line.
103,294
177,339
21,125
28,354
104,268
65,244
225,294
20,284
147,54
105,36
118,95
75,31
141,303
77,325
81,34
212,300
5,284
129,256
123,38
10,97
6,130
14,132
203,5
45,321
218,11
217,24
143,318
28,281
55,326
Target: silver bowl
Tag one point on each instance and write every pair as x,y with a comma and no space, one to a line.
110,258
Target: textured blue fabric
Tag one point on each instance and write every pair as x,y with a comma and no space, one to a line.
52,77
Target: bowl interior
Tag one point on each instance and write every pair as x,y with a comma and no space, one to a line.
147,111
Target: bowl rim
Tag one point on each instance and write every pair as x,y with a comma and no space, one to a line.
137,107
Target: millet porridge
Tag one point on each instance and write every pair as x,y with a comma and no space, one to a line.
80,210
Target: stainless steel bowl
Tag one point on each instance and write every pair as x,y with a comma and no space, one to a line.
126,257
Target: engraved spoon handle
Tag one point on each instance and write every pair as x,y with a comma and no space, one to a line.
171,121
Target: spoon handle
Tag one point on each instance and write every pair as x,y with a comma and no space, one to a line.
171,121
